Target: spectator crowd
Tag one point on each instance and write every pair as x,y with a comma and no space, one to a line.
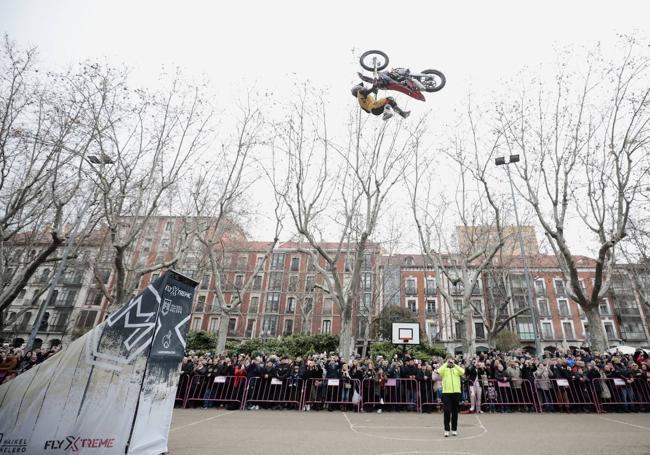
488,377
14,361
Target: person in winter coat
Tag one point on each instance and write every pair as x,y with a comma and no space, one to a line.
451,375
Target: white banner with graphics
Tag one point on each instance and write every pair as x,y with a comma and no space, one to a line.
111,391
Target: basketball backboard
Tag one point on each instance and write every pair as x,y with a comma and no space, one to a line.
406,333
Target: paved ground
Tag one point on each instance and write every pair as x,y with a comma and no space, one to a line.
196,431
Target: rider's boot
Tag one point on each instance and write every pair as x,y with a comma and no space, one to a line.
388,112
404,114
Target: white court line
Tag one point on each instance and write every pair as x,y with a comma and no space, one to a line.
202,420
625,423
353,428
428,452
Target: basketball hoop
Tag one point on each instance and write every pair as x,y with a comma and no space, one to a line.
405,340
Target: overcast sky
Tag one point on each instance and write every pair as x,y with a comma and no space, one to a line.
273,43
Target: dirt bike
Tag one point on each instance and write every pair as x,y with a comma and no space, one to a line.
399,79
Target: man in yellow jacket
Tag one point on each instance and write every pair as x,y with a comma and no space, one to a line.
450,373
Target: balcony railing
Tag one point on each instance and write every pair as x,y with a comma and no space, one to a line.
411,291
633,335
526,336
430,291
628,311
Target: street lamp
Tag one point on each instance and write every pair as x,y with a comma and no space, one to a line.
501,161
102,160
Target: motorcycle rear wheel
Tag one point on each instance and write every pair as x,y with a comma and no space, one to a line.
434,83
366,60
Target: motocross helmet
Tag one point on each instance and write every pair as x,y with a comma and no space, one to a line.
356,88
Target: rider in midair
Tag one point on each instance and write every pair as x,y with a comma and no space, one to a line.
377,106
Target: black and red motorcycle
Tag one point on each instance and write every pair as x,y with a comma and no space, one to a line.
399,79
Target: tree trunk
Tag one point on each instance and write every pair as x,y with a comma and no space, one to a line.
366,336
597,337
469,340
346,341
222,333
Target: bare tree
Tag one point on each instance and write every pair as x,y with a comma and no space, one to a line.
147,140
480,236
584,149
42,153
217,198
347,184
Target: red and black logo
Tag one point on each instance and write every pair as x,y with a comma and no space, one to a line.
76,443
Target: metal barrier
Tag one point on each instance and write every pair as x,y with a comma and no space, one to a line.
181,389
390,393
563,394
429,397
332,392
274,391
217,389
503,396
623,396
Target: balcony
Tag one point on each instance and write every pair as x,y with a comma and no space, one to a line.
633,336
526,336
628,312
411,291
430,290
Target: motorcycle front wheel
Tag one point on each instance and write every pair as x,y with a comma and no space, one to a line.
373,60
433,81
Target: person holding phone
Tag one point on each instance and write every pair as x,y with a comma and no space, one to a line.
450,373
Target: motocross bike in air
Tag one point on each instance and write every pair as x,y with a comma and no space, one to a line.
399,79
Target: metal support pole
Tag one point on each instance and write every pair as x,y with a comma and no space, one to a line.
532,305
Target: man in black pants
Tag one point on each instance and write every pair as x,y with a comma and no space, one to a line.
451,374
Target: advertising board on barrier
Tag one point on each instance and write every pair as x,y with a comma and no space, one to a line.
124,371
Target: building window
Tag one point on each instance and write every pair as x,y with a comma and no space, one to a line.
547,330
272,302
269,325
288,327
242,265
200,304
205,282
86,319
458,305
309,283
603,308
168,226
563,306
458,329
525,328
327,306
295,264
291,304
309,304
277,261
431,306
232,326
293,283
196,324
97,298
239,281
366,299
559,288
539,287
609,331
367,261
411,286
477,306
257,283
542,305
214,325
366,281
432,328
430,286
250,327
568,331
348,263
259,263
254,305
326,327
479,330
412,305
275,281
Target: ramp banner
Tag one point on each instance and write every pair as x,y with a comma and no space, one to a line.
111,391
